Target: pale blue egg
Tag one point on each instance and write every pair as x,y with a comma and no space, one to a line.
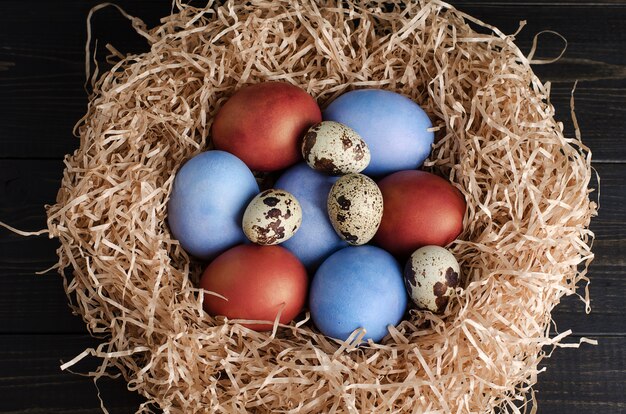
209,195
394,127
315,239
358,287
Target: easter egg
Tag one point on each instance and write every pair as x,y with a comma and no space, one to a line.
272,217
358,287
420,209
207,201
394,127
263,124
316,239
255,283
333,148
355,208
431,274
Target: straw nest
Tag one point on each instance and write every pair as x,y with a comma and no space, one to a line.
525,242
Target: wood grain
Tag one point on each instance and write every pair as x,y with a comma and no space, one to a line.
37,385
591,379
43,68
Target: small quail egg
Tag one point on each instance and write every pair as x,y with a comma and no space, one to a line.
272,217
431,276
335,149
355,208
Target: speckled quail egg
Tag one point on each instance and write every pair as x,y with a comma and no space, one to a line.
431,276
335,149
272,217
355,208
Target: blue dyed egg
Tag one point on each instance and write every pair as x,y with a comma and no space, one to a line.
209,195
316,239
394,127
358,287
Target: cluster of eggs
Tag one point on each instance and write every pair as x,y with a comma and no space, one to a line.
348,177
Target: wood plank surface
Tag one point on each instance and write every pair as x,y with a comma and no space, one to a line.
42,68
42,96
37,385
591,379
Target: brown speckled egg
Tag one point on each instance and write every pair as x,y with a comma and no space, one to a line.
335,149
272,217
355,208
431,276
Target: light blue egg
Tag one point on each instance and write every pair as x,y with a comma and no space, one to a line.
315,239
393,126
358,287
209,195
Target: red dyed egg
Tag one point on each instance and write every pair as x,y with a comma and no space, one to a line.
263,124
257,282
420,209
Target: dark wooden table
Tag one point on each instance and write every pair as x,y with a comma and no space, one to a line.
41,97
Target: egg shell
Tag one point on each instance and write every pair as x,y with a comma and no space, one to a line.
316,239
394,127
355,208
421,209
431,276
256,283
358,287
333,148
272,217
207,201
263,124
